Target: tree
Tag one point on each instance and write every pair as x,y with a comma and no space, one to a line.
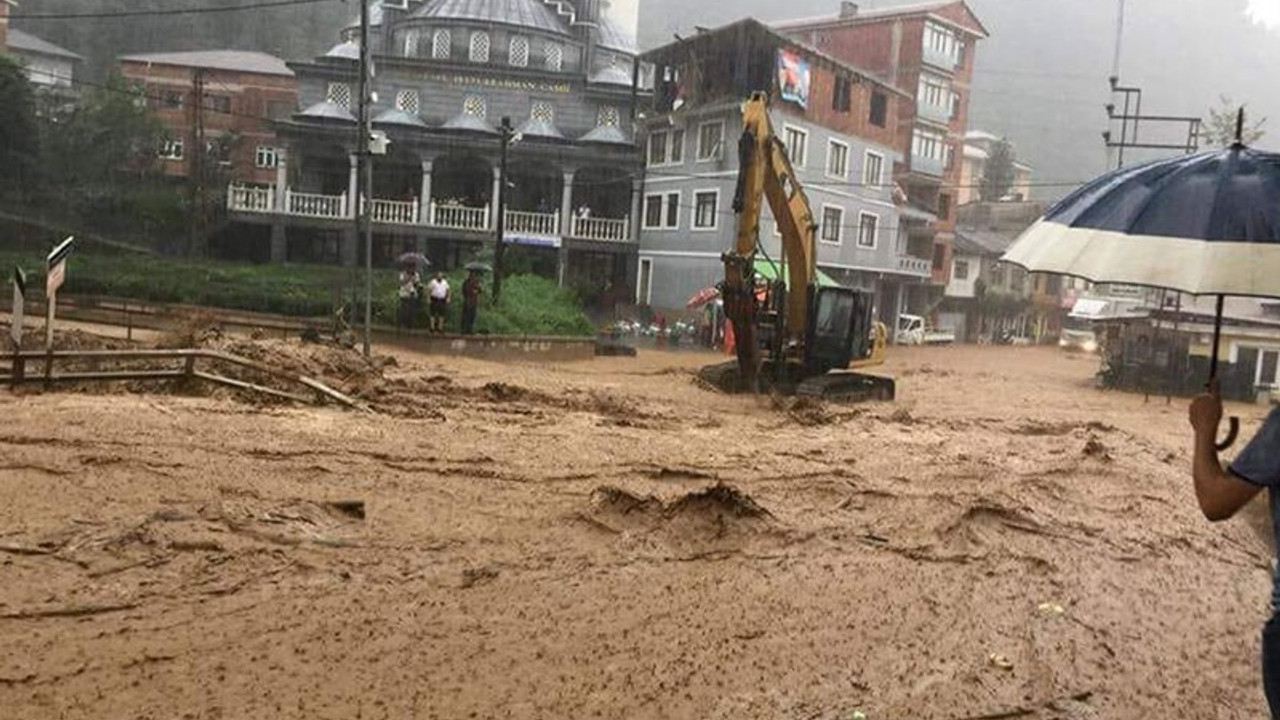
998,177
1220,129
19,133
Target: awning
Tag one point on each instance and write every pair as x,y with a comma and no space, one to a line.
1089,309
769,271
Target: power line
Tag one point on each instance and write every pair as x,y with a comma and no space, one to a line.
173,11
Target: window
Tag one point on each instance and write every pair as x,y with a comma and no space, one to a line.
408,101
832,225
171,149
710,140
873,170
441,45
411,40
666,147
217,103
997,276
944,207
553,56
706,204
662,211
928,144
519,55
943,41
842,94
608,116
960,269
479,47
542,110
267,157
644,283
936,91
868,228
339,94
172,100
476,106
879,109
797,145
837,159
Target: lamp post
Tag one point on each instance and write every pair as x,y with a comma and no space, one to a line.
499,251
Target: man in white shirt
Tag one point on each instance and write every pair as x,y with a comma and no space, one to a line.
438,292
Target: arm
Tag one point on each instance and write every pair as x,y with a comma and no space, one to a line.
1220,492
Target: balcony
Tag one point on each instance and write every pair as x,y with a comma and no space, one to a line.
450,216
914,266
934,113
927,165
939,59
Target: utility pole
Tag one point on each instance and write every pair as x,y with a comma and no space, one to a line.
196,170
500,249
364,175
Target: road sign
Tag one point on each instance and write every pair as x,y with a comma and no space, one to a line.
57,267
19,301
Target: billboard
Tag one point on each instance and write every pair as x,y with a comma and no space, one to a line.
793,77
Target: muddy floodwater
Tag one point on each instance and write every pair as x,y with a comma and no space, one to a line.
610,540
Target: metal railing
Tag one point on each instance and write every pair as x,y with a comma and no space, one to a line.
606,229
531,223
395,212
915,266
459,217
242,198
312,205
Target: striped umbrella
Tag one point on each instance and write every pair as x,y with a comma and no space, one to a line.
1204,224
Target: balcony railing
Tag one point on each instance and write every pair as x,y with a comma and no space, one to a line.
938,58
241,198
936,113
927,165
530,223
459,217
918,267
395,212
606,229
318,206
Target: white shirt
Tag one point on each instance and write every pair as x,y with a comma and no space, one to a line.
438,289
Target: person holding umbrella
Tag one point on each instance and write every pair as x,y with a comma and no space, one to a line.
409,294
1204,224
471,292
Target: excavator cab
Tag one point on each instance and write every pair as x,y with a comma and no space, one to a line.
839,328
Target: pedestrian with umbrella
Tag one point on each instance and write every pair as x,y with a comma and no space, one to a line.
471,291
1204,224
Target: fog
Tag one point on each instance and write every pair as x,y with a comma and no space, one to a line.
1041,78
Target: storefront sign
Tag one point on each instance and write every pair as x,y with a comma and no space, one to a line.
793,77
500,83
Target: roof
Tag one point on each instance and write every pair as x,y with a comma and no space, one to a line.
870,14
537,128
981,135
521,13
983,242
606,135
613,36
234,60
395,116
345,51
26,42
327,111
467,122
973,152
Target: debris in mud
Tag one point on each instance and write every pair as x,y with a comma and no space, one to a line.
1094,448
477,576
715,503
504,392
350,508
621,502
902,416
718,498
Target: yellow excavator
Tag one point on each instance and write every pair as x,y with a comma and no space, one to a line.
793,335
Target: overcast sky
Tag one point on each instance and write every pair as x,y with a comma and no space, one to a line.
1042,76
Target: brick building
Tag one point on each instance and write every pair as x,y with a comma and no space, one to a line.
4,23
228,96
840,126
926,50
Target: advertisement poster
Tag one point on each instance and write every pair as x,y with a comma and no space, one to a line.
793,77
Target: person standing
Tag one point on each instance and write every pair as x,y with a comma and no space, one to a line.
1222,491
471,292
438,291
409,292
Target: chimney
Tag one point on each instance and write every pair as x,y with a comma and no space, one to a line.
848,10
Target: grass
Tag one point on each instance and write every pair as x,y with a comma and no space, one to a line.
530,305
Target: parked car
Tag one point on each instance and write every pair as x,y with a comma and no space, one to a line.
913,330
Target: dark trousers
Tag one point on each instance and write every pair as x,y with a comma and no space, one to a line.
1271,664
408,313
468,319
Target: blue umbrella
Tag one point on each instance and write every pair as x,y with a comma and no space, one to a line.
1204,224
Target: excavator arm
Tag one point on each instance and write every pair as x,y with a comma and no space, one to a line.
765,174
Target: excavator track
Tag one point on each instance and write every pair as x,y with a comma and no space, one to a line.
848,387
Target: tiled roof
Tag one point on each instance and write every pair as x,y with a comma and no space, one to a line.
233,60
522,13
325,111
26,42
612,36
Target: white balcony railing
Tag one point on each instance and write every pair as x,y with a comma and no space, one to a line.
459,217
312,205
936,113
607,229
529,223
395,212
918,267
241,198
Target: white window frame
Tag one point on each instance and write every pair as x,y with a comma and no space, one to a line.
877,182
480,36
266,157
839,226
875,236
716,152
832,144
935,142
715,216
442,44
791,151
669,147
648,295
667,220
511,50
173,149
553,57
956,264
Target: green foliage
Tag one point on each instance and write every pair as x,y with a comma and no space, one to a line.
1220,129
19,137
530,305
998,177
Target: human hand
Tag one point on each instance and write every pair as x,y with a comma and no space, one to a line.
1205,412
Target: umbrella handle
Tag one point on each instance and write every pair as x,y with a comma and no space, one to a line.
1233,430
